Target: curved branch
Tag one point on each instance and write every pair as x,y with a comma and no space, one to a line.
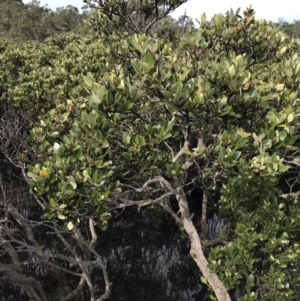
77,290
90,250
158,179
172,213
32,287
30,239
143,203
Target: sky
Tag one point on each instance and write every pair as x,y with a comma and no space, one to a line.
289,10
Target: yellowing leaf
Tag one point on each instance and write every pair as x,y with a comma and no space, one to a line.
197,52
290,117
187,152
70,225
43,173
282,50
279,87
69,106
247,85
199,90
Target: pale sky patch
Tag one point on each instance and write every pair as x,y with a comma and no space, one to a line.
269,10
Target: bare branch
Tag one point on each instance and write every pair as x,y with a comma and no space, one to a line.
195,153
213,242
32,287
181,152
143,203
292,194
169,147
93,233
77,290
291,162
83,266
200,139
157,179
99,260
172,213
204,216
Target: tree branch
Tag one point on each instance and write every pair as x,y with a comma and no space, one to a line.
204,217
32,287
143,203
196,247
181,152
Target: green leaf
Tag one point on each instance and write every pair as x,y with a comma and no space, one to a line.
61,216
231,70
236,155
72,181
95,177
185,73
52,203
128,106
241,143
92,119
88,81
148,58
187,152
251,278
165,137
283,168
126,138
105,216
96,98
144,66
31,175
109,174
134,42
136,66
203,280
105,144
282,135
58,162
279,286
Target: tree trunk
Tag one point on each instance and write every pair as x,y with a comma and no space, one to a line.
196,247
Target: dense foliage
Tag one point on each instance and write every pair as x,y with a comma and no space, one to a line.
134,118
33,21
291,29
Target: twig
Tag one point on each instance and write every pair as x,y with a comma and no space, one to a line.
204,216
